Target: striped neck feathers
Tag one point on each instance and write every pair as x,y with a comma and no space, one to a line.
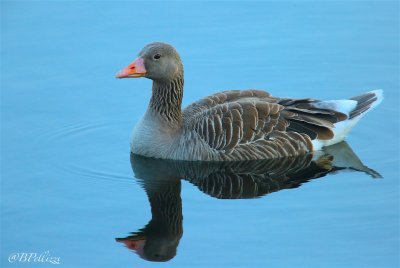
166,99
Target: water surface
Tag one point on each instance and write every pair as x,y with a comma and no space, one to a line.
67,186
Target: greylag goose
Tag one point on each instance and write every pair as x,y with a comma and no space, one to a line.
233,125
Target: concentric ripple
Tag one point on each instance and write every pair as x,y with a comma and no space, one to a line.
95,150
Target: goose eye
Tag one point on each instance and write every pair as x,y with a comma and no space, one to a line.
157,56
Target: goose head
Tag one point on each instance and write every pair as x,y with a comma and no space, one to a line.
156,61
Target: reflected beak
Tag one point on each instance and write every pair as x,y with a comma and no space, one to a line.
135,243
134,70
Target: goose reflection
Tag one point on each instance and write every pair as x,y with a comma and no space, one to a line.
161,180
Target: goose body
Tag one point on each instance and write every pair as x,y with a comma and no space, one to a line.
233,125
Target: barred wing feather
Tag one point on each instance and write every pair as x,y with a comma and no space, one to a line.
253,122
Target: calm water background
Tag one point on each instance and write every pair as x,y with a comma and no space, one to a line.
66,182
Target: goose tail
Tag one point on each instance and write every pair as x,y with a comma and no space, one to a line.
366,102
355,108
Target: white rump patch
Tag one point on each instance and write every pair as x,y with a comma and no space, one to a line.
343,106
339,133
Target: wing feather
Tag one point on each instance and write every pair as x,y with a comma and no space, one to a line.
244,123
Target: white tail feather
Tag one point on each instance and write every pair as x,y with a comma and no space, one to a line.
343,128
379,94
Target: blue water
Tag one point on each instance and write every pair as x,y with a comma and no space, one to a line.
67,186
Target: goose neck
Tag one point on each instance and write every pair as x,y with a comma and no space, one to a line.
166,99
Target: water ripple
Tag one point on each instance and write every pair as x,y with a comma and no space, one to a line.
96,150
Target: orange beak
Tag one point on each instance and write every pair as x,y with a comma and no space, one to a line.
135,69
